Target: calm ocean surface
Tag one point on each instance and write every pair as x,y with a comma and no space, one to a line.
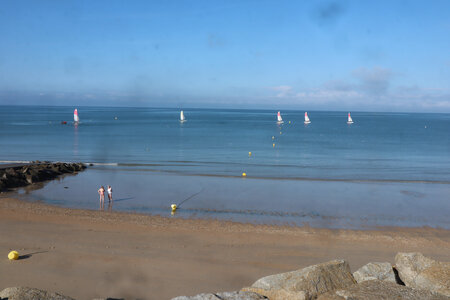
385,169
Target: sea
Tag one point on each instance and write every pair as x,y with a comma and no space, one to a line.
385,169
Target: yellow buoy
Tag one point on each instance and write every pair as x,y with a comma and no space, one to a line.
174,207
13,255
289,122
244,174
280,132
250,154
273,145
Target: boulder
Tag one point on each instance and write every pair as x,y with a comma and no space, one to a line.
109,298
47,175
312,281
55,169
65,168
30,179
26,293
418,271
69,167
13,180
375,270
278,294
377,289
224,295
11,172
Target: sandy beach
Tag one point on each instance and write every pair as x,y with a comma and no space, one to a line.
86,254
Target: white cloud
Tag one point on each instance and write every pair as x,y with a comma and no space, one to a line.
283,91
371,90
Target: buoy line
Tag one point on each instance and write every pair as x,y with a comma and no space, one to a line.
176,206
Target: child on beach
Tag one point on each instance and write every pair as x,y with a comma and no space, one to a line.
109,193
101,192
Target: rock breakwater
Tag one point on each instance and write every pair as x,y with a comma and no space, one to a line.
25,174
421,278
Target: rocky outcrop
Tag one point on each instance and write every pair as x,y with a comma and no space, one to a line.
25,293
22,175
224,295
306,283
377,289
418,271
375,270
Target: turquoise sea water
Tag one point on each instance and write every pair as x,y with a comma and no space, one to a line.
385,169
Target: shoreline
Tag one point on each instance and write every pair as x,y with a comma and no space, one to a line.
145,219
318,204
87,254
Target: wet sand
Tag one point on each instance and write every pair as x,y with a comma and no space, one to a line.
86,254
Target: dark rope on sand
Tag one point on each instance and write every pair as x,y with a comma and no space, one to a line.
190,197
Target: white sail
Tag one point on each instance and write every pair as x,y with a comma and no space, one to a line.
307,121
279,119
349,120
182,118
76,119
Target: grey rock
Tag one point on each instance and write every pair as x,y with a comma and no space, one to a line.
418,271
313,280
223,296
26,293
377,289
279,294
375,270
29,174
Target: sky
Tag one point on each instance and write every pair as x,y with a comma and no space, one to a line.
311,55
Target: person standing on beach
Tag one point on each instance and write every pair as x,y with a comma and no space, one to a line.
109,193
101,192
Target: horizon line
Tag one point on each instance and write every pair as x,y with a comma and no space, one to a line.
221,108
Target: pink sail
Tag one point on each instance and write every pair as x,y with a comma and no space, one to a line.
75,116
279,119
307,121
349,119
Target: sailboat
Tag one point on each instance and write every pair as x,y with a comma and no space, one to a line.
76,119
279,119
349,120
182,118
307,121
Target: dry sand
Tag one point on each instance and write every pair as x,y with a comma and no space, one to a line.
87,254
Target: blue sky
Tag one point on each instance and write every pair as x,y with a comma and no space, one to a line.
326,55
